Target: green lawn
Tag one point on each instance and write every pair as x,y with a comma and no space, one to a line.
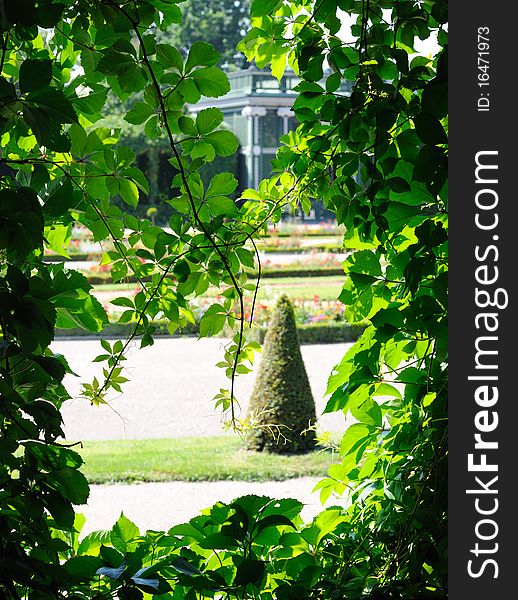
299,288
193,459
326,288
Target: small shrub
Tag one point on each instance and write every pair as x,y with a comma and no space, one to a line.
281,407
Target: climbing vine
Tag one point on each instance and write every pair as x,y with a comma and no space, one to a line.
58,60
372,143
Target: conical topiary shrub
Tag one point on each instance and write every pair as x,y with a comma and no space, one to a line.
281,405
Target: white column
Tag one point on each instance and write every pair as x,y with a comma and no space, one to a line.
285,113
253,113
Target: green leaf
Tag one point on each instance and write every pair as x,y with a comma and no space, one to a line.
48,15
93,541
61,200
246,257
429,129
326,522
170,12
82,567
139,113
225,143
91,104
61,510
333,82
435,99
123,532
273,521
187,126
22,221
262,8
169,57
429,398
128,192
221,184
367,412
133,80
54,104
208,119
211,81
35,74
249,571
201,54
184,567
78,139
138,177
71,483
354,436
117,61
363,262
221,205
213,320
122,301
81,310
182,271
58,238
218,541
152,129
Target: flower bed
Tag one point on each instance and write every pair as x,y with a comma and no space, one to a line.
307,312
309,333
310,264
99,278
318,320
305,229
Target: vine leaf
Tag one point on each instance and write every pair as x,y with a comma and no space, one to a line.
35,74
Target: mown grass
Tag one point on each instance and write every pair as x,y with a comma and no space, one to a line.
193,459
306,288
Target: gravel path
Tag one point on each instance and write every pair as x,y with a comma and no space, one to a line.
169,395
170,389
159,506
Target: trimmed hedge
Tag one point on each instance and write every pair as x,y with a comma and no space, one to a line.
74,257
267,273
333,248
309,333
281,406
321,333
312,271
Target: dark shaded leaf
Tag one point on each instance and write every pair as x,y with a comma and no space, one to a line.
35,74
250,571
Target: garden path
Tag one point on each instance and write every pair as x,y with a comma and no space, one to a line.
159,506
169,395
170,389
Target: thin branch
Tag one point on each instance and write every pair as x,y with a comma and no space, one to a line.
190,196
5,39
258,280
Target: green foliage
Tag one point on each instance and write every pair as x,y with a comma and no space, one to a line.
222,23
281,408
386,147
60,166
253,547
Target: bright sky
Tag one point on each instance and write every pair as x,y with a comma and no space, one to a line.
424,47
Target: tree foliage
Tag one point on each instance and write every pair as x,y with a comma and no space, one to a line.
58,61
222,23
281,407
376,157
